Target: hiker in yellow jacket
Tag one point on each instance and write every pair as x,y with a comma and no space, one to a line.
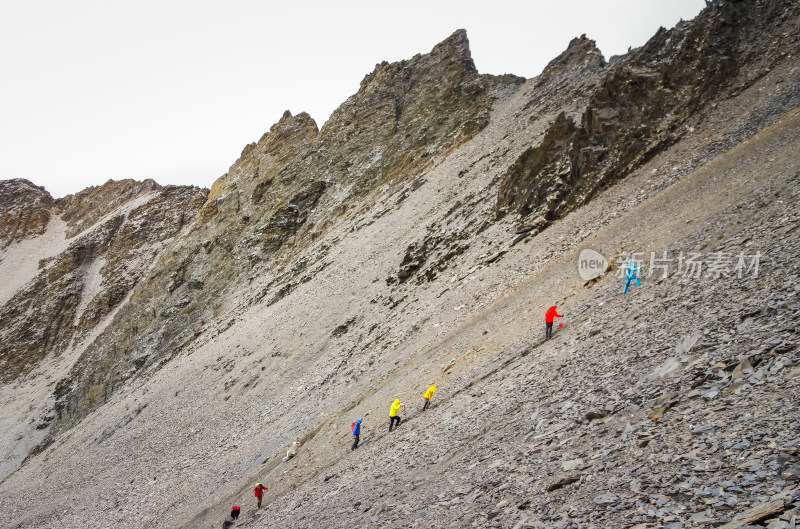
393,417
428,395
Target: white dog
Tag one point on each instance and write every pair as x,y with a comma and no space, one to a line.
292,451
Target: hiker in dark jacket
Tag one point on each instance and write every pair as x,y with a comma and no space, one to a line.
228,522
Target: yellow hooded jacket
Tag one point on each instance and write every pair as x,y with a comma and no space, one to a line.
395,407
429,391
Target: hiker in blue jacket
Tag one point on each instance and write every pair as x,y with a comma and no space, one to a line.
631,275
356,434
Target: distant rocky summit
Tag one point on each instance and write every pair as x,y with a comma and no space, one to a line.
25,210
161,347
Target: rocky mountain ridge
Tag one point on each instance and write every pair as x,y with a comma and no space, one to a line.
417,235
81,256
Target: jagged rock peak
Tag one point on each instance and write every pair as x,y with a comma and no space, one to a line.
288,131
84,208
452,55
22,189
14,184
290,122
24,210
455,48
581,54
583,48
302,126
284,140
287,135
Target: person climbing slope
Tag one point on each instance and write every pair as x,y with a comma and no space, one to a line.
356,434
228,522
428,395
548,321
393,417
258,490
631,275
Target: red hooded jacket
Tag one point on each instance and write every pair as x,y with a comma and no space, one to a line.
259,490
550,314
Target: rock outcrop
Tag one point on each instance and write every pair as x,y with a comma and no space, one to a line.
113,233
25,211
641,106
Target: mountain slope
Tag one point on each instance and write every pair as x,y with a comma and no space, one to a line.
418,236
70,265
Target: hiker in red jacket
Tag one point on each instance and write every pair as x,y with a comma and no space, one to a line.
258,490
548,321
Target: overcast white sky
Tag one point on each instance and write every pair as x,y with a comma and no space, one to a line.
174,89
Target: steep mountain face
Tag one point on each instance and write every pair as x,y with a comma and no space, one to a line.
641,105
284,192
114,232
71,264
174,342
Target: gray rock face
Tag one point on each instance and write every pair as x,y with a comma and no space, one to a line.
114,232
416,239
24,210
638,108
285,192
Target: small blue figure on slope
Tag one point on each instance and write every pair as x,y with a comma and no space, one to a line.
631,275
